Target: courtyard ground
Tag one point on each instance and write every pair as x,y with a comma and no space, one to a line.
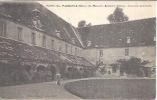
45,90
81,88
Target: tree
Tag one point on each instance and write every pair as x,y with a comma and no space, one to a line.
117,16
89,24
82,23
132,66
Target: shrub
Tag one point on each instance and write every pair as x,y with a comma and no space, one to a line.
132,66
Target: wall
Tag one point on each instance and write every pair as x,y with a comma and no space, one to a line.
11,32
110,55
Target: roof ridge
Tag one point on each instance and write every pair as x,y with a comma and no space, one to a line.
120,22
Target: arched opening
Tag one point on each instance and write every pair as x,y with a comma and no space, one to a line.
41,68
53,72
41,73
5,74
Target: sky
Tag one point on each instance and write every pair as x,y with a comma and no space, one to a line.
96,12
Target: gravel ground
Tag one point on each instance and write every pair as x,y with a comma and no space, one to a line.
46,90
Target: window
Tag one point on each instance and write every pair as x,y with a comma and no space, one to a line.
33,38
71,49
128,39
89,43
2,29
114,69
19,33
44,41
78,50
66,48
75,51
52,44
73,40
101,53
126,51
58,34
69,69
59,46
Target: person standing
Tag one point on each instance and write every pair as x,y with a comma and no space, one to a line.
58,79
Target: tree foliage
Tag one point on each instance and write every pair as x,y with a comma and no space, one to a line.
132,66
117,16
89,24
83,23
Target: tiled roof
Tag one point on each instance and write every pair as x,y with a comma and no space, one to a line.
22,13
141,33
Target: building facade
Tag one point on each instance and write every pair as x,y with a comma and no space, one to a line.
112,42
39,43
37,50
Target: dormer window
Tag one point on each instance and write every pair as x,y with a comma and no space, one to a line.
89,43
128,40
58,33
36,18
36,13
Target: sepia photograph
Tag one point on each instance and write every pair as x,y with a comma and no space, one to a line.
76,50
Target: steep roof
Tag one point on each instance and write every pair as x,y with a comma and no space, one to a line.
141,33
22,12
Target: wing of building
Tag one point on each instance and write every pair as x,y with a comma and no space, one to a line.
114,39
23,13
31,35
108,43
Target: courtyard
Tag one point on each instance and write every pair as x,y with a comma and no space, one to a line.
45,90
114,59
91,88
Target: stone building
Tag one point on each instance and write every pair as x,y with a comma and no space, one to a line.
110,42
35,44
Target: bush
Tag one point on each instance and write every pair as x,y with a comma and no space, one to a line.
132,66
